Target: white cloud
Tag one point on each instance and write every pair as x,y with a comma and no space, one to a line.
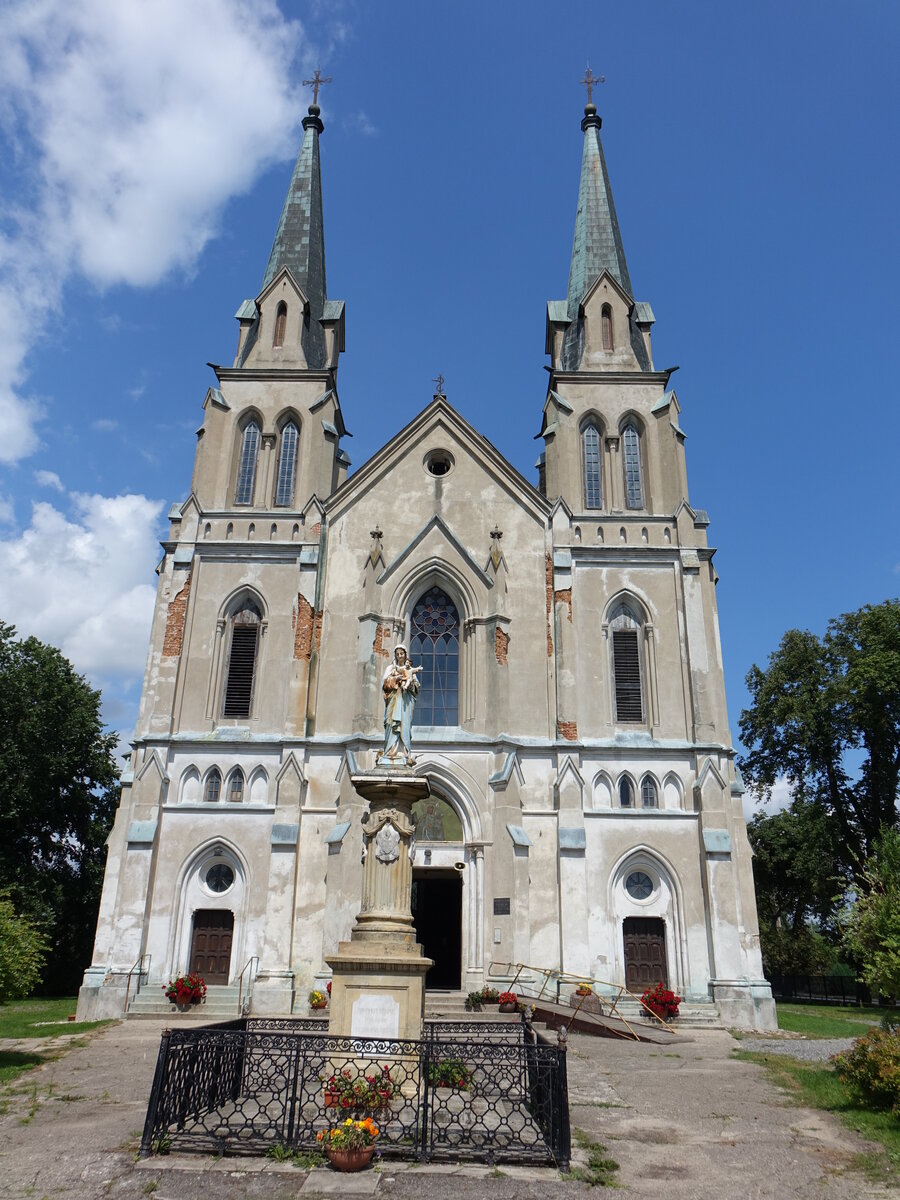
49,479
132,124
360,122
7,510
104,425
780,798
84,582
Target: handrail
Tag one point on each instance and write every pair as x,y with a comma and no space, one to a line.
253,965
139,969
553,974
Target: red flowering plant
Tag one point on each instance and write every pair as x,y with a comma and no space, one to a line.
508,998
186,989
661,1001
359,1093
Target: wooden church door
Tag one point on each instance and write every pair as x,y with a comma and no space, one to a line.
645,953
211,944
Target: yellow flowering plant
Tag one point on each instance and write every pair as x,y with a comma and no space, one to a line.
349,1135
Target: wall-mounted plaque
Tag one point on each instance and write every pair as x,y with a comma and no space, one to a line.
375,1016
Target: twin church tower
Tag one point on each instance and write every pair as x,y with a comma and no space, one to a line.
585,811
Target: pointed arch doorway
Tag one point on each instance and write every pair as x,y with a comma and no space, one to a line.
437,891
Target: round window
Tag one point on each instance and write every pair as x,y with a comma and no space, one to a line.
219,877
638,885
438,462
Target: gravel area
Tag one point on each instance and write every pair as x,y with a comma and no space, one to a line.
807,1049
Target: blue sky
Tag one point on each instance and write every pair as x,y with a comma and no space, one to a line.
146,151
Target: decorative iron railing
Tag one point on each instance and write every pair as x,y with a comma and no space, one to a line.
495,1092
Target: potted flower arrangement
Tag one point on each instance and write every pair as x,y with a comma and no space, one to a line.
489,995
349,1146
185,991
661,1001
359,1093
584,989
450,1073
508,1001
317,999
474,1001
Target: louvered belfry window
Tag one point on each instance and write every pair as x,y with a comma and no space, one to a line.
241,662
434,645
627,665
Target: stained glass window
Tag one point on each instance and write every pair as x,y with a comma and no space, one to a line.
436,821
434,645
634,492
246,476
590,446
287,465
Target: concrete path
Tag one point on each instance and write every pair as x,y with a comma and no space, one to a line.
686,1122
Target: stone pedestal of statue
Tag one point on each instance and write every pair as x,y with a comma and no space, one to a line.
378,981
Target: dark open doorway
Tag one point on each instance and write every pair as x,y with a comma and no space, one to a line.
211,944
437,913
645,953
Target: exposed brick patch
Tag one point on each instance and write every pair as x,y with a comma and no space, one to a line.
378,646
549,575
501,645
567,730
564,596
316,529
303,628
175,621
317,630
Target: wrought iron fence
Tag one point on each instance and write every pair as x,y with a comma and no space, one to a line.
821,989
497,1092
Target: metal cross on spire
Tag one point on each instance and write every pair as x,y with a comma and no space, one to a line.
589,81
439,380
316,82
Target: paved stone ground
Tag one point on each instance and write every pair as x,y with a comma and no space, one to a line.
685,1122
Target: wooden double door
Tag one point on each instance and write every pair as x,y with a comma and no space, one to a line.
211,944
645,953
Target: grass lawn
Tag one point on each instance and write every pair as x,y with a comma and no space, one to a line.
825,1021
24,1019
816,1085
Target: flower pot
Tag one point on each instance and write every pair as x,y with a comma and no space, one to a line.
316,1007
507,1007
350,1160
331,1099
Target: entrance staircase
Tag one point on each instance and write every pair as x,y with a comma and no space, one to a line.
220,1004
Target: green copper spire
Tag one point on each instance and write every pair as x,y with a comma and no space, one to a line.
300,238
598,243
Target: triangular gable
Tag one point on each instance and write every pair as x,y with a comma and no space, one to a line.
437,522
617,287
214,396
499,780
284,273
290,764
439,411
153,763
348,766
709,768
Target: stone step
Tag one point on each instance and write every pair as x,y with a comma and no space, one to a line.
220,1004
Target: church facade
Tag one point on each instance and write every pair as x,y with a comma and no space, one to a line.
585,810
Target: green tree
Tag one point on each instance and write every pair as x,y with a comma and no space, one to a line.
58,794
819,704
23,949
872,933
797,875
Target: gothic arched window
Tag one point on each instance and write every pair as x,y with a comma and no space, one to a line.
590,456
606,327
434,644
626,663
213,789
626,792
235,791
287,465
649,795
631,450
241,661
246,472
280,324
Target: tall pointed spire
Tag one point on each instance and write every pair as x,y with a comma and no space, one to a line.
597,245
300,238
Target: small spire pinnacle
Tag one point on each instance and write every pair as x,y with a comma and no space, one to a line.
590,81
